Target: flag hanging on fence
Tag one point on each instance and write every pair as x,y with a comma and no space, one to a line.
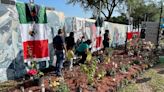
33,29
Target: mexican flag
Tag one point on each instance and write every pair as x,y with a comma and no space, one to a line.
33,20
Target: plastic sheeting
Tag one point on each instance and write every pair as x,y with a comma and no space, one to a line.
10,44
55,22
11,55
86,27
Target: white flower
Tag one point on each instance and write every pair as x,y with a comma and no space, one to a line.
116,65
113,63
101,52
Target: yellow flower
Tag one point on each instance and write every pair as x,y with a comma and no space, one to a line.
54,84
107,60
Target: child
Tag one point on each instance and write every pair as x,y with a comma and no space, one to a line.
70,56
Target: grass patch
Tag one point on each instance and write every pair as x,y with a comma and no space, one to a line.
130,88
156,83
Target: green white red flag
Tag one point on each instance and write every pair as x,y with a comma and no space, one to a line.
33,29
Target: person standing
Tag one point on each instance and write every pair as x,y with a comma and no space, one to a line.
70,42
59,47
142,35
106,39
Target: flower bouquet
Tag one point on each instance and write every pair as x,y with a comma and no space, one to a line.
34,73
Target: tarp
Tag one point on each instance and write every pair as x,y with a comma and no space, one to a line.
10,44
11,55
87,28
117,33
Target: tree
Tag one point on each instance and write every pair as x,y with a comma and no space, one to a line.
122,19
139,10
142,10
107,6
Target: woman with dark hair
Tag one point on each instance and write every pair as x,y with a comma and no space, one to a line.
70,42
106,39
83,49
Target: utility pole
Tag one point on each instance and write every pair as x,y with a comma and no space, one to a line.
159,24
129,24
99,24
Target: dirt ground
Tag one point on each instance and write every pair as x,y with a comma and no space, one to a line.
151,80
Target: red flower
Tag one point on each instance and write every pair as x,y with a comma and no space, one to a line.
32,72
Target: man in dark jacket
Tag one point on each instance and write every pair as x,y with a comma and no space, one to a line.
59,47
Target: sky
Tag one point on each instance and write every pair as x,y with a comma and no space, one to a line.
68,9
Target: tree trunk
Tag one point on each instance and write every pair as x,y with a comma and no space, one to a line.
109,16
108,19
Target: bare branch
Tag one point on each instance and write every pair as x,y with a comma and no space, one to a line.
117,2
104,14
108,6
101,11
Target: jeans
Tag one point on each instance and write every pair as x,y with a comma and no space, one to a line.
70,64
59,62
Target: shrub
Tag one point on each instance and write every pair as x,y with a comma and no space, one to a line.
111,72
89,70
101,74
124,68
62,88
136,62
